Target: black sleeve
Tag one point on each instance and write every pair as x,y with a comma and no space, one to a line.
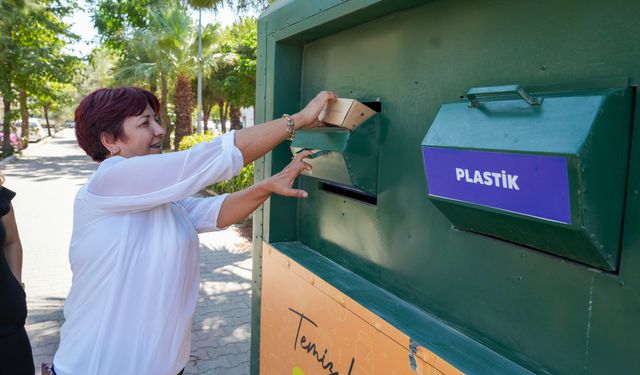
6,196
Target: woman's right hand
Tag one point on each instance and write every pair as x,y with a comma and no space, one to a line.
242,203
282,183
308,117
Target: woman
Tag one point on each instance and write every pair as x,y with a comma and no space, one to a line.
134,248
15,349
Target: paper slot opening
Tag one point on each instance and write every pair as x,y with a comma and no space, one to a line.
349,193
376,105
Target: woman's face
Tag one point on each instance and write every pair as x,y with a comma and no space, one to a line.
143,135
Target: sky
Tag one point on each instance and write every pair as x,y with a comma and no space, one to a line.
82,25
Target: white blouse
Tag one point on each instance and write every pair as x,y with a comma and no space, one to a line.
135,263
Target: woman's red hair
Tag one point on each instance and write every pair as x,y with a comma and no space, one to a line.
104,111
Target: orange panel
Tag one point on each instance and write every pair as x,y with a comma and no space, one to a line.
309,327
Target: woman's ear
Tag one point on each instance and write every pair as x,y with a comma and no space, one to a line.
109,142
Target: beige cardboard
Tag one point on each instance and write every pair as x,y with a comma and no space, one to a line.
346,113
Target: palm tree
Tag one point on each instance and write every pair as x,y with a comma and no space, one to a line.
240,6
213,94
167,49
216,87
178,43
145,64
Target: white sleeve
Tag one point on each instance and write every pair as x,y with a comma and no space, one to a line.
139,183
203,212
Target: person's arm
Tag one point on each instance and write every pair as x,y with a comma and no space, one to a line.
12,245
240,204
138,183
257,140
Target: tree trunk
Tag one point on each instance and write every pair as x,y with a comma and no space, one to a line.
235,114
7,148
45,110
183,104
164,117
24,114
206,111
223,116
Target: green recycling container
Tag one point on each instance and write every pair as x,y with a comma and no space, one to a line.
484,220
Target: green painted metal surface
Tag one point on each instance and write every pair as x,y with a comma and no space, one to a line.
348,158
467,355
540,311
589,129
326,139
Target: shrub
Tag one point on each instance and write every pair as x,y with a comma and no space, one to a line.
241,181
189,141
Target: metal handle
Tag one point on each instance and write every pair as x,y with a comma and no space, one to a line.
475,94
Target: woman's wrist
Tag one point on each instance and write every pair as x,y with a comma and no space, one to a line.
264,187
298,121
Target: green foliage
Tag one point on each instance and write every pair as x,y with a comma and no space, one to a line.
32,41
164,47
234,66
157,43
161,55
116,20
194,139
96,72
237,183
240,6
230,72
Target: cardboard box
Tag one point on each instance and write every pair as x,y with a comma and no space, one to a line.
346,113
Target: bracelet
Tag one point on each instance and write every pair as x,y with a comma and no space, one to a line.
291,130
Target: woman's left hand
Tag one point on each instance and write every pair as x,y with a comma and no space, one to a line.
308,117
282,182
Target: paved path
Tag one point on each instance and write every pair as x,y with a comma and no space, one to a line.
46,179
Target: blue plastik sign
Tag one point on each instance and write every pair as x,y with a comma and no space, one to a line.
531,185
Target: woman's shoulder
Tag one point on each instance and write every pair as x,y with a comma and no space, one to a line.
6,196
